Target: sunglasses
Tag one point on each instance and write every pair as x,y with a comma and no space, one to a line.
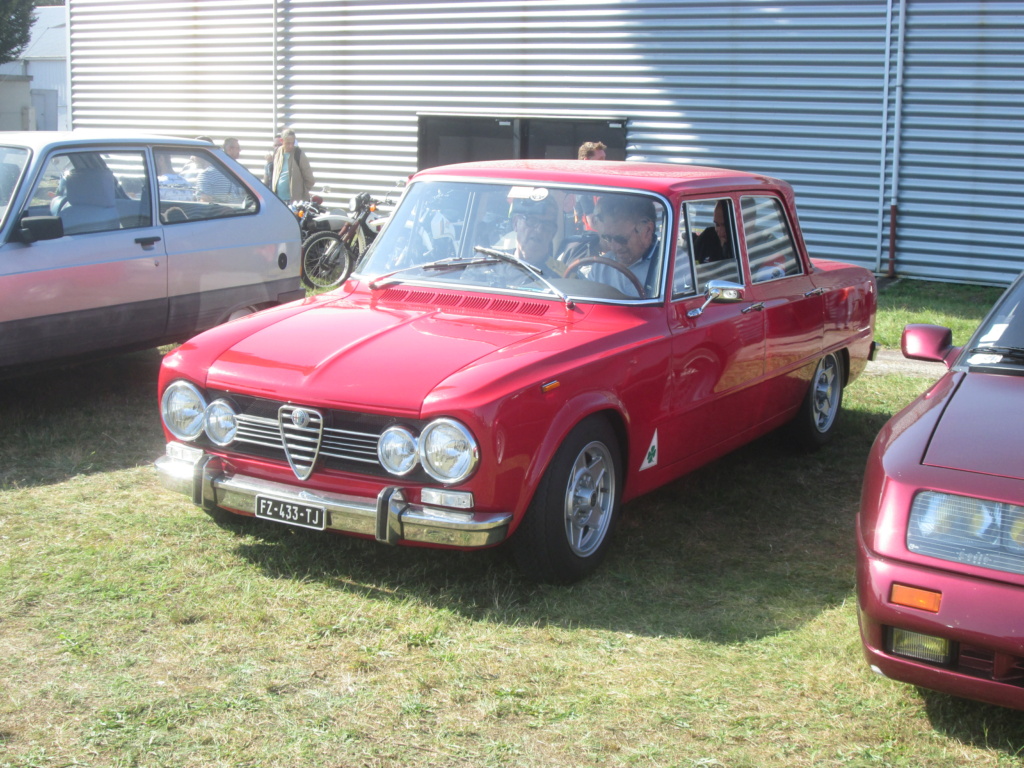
618,239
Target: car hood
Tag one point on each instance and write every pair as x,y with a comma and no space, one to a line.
350,355
978,431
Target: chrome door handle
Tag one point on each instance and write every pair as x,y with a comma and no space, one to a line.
759,306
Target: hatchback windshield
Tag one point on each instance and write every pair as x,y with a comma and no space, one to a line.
545,239
12,162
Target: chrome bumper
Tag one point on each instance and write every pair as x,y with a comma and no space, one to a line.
389,518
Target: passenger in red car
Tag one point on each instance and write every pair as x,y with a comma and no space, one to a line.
535,223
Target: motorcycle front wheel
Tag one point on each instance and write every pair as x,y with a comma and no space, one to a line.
326,260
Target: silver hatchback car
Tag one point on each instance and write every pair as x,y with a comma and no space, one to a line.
111,243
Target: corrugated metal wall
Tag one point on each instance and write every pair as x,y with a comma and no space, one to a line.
803,90
181,67
960,165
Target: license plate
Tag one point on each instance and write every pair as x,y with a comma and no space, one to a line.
292,514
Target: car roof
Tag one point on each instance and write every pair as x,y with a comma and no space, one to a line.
40,141
665,178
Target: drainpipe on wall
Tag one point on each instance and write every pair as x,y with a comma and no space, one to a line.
882,133
897,133
273,77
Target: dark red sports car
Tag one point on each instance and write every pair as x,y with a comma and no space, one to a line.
940,534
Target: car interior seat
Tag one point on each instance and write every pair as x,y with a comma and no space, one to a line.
90,204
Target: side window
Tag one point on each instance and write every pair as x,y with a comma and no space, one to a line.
712,234
196,186
94,191
769,245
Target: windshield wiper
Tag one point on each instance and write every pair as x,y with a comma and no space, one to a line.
1014,353
530,269
441,265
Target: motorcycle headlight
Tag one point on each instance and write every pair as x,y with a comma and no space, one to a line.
397,450
448,451
220,422
181,407
963,529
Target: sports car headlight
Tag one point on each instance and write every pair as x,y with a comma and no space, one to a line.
182,407
962,529
398,450
448,451
220,422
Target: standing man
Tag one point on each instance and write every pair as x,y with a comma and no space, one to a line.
293,177
213,185
591,150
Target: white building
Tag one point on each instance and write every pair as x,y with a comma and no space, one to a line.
45,63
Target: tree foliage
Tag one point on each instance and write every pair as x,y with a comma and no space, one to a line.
16,19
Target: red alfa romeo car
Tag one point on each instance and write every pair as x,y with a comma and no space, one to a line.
940,534
526,345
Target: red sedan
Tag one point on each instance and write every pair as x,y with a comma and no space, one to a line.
940,534
526,345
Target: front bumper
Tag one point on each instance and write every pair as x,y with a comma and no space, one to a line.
389,518
982,619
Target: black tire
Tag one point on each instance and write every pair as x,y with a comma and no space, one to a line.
326,260
815,423
568,526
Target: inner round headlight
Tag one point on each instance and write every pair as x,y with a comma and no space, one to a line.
220,422
448,451
182,406
397,450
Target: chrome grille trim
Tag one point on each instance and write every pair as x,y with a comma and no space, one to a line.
335,443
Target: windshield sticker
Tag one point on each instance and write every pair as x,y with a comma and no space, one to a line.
528,193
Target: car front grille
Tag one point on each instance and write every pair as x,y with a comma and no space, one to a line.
347,440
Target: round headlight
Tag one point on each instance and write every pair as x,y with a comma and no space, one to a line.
397,450
182,407
220,422
448,451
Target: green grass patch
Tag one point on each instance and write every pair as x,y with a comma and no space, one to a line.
958,307
721,631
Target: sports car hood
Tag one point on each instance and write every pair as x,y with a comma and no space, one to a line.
377,359
979,430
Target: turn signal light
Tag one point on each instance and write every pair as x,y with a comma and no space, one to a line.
913,597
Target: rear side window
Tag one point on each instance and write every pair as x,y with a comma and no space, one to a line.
94,191
197,186
769,244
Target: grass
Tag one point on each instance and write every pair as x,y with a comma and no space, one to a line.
720,632
958,307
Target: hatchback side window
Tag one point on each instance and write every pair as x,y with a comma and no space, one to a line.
94,191
197,186
712,234
769,244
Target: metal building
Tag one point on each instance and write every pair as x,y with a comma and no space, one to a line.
887,116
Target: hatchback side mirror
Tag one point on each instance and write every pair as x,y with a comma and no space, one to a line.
32,228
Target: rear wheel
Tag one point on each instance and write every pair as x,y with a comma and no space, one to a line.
568,526
816,421
326,260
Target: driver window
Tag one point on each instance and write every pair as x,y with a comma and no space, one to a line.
94,191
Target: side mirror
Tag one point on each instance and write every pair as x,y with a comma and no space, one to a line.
719,291
32,228
932,343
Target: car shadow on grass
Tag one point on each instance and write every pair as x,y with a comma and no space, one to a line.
755,544
970,722
49,421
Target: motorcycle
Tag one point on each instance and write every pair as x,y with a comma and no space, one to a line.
328,257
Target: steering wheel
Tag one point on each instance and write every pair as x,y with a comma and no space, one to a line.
626,272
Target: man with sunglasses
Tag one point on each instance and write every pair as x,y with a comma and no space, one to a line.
626,226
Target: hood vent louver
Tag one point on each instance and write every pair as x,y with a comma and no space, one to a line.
464,302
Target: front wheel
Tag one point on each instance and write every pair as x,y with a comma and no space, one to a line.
568,526
816,420
326,260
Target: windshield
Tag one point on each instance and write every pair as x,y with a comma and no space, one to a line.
544,239
999,340
12,163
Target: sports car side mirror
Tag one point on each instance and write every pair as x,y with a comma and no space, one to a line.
721,291
933,343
